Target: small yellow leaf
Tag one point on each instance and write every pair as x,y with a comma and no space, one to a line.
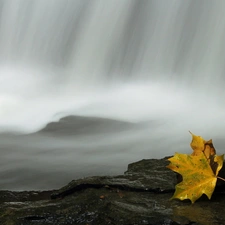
197,144
219,159
198,176
209,149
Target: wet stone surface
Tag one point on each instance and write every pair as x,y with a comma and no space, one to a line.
140,196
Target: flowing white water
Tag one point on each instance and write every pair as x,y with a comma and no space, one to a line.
136,61
65,55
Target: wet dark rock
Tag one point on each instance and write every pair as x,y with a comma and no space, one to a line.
140,196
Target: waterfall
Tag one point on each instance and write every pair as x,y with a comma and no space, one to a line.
130,60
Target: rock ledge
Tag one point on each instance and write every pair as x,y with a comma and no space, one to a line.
140,196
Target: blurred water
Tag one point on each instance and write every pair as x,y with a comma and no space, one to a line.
135,61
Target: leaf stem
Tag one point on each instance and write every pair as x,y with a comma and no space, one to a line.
221,178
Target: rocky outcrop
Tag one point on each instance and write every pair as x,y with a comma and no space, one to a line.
140,196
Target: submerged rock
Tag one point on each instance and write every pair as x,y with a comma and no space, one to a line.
75,125
140,196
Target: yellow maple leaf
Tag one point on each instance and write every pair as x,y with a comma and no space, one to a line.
198,176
